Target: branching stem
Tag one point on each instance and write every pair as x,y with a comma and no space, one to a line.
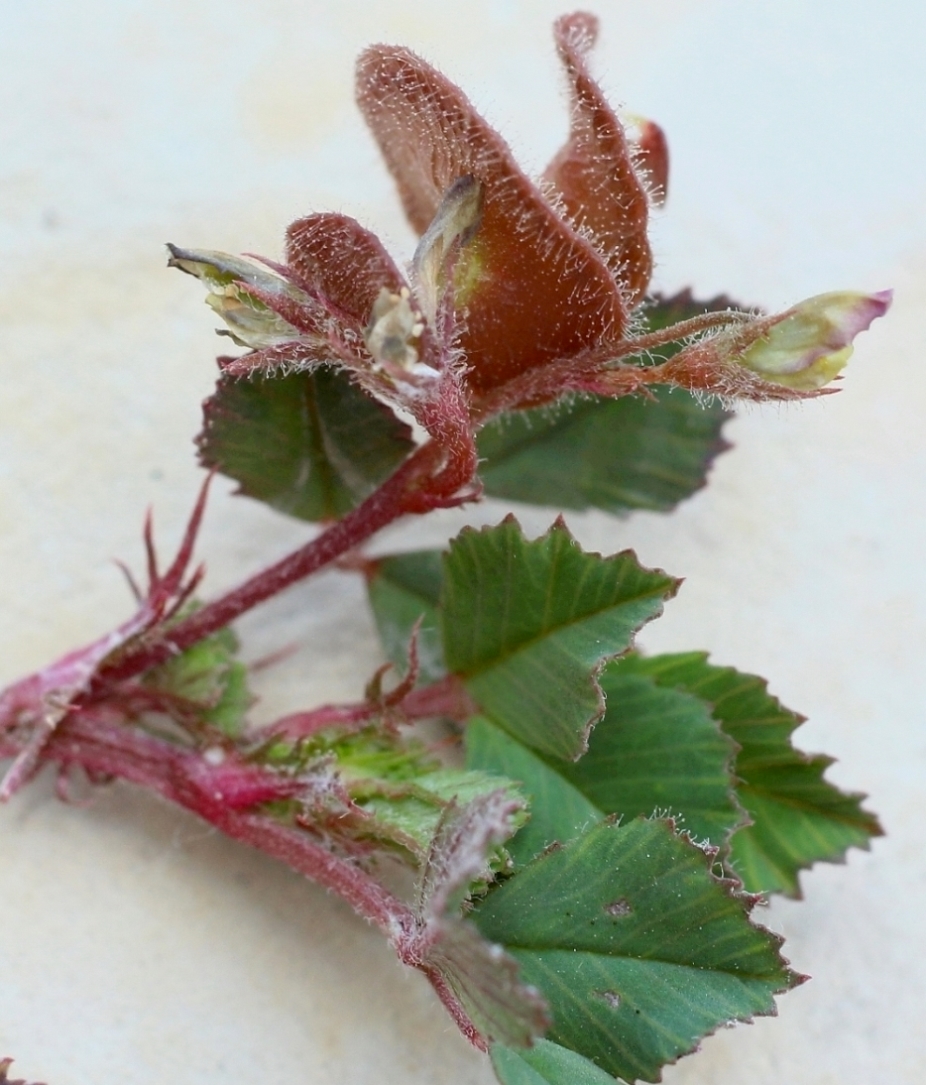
225,795
427,480
446,697
578,373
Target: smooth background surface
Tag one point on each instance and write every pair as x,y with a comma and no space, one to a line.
137,946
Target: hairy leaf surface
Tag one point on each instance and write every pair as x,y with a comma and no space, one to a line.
450,950
528,625
639,950
408,812
799,818
309,444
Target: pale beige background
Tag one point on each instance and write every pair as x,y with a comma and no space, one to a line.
137,946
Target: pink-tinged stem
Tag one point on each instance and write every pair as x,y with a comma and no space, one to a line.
422,483
225,795
445,698
548,382
455,1008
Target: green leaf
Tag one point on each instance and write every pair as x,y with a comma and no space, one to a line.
545,1063
659,750
403,589
527,626
639,950
207,679
310,444
558,810
655,750
799,818
611,454
384,785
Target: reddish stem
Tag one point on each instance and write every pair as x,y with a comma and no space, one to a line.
225,795
577,373
424,482
446,697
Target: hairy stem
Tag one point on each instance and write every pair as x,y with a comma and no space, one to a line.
226,795
579,372
422,483
446,697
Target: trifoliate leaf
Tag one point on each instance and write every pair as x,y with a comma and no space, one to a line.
310,444
638,948
402,589
528,625
654,750
799,818
611,454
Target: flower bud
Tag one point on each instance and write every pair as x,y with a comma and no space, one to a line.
807,346
394,332
250,319
453,226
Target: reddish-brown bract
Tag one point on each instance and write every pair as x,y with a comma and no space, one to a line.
651,154
533,289
594,174
339,261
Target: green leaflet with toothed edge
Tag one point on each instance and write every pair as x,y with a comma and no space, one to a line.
638,948
310,444
527,624
798,817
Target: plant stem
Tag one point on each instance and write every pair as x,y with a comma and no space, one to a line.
446,697
578,372
420,484
225,795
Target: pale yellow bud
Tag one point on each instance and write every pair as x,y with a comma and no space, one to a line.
455,222
807,346
251,323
